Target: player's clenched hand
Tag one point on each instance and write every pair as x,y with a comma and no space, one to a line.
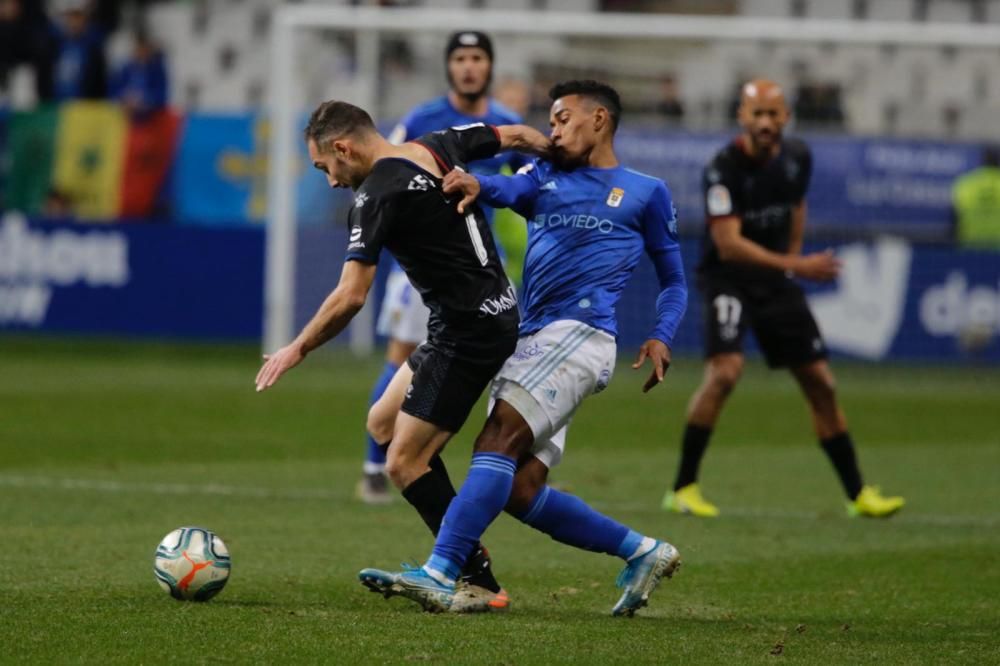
457,180
659,354
277,364
819,266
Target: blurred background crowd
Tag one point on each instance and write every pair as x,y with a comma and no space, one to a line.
157,113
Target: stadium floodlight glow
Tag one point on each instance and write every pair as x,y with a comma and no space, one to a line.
369,22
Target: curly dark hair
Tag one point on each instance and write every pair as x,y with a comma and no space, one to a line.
601,93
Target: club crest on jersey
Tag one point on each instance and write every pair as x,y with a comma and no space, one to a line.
421,183
360,199
615,198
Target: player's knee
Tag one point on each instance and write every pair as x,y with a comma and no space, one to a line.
380,425
528,482
823,389
402,467
725,375
522,494
505,433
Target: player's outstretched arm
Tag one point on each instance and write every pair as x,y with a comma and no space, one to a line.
524,139
659,235
734,247
332,317
516,192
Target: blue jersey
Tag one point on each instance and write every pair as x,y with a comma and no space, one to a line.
438,114
587,229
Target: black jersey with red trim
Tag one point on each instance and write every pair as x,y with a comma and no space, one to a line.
762,194
450,258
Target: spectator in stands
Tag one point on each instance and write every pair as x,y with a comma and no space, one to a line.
141,83
26,38
976,201
80,69
670,106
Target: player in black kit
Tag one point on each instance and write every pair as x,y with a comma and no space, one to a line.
451,259
755,206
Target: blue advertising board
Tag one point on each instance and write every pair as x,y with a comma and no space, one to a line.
859,185
131,279
893,300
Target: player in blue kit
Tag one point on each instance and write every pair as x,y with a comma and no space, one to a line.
403,317
589,221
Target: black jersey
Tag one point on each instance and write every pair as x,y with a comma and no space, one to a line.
762,194
450,258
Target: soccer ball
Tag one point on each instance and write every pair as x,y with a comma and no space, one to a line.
192,564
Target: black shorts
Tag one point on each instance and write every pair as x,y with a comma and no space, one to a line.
776,311
448,380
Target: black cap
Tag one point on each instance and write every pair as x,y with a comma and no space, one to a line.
469,39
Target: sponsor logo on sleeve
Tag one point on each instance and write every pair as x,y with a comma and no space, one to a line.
360,199
459,128
719,201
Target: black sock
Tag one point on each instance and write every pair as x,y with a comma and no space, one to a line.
437,465
840,450
692,449
430,495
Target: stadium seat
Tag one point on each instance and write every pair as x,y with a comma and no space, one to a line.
978,123
992,11
830,9
891,10
949,11
765,8
919,120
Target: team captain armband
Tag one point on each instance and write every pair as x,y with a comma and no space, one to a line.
718,201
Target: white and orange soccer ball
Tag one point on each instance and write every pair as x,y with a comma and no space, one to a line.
192,564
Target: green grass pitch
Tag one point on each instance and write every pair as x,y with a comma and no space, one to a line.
106,447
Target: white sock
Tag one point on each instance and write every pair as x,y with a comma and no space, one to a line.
647,544
439,577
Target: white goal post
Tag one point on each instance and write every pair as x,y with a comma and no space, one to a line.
368,23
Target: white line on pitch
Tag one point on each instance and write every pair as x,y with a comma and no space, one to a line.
257,492
154,488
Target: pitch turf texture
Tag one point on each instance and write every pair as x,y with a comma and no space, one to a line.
104,448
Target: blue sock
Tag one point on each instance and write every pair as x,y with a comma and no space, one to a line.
375,460
570,520
480,500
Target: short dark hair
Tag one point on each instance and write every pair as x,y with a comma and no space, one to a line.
333,119
599,92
